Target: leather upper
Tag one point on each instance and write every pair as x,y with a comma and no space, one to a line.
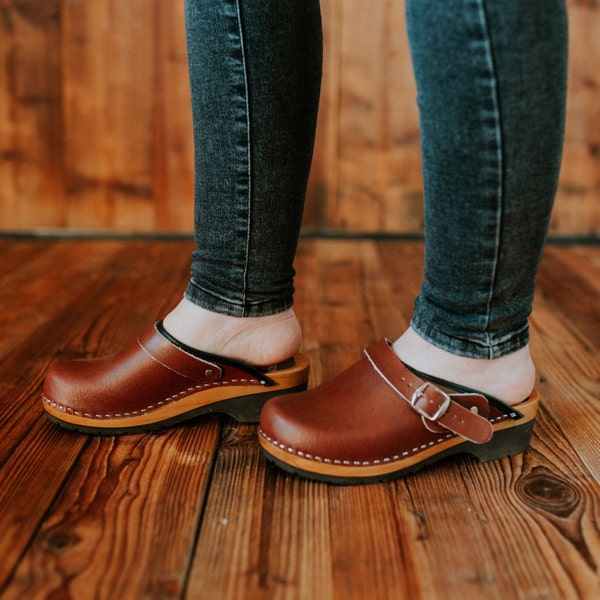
146,375
377,410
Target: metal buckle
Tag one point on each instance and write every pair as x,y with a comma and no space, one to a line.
420,393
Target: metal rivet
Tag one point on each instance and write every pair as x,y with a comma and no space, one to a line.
474,409
209,372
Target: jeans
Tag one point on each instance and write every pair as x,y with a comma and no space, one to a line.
491,81
255,74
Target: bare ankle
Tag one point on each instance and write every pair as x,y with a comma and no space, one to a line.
510,378
260,341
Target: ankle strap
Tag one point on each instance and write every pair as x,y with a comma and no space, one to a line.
435,405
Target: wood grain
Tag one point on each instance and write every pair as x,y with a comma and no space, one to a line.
96,129
31,142
127,515
197,512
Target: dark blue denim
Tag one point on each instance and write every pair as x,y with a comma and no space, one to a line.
491,90
491,79
255,73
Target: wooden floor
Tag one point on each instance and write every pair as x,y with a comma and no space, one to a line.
196,512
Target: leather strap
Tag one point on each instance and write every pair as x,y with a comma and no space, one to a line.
174,359
436,406
174,350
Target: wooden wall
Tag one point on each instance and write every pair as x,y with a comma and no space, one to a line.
95,125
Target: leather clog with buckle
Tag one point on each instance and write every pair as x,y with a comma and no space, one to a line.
158,382
379,420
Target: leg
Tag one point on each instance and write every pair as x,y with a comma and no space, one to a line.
255,70
491,82
491,127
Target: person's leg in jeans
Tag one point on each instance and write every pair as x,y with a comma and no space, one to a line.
491,91
232,342
255,69
491,95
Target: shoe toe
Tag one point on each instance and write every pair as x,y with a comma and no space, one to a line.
69,385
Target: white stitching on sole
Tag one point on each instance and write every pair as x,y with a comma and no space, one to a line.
376,461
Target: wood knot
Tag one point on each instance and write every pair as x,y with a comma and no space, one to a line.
56,540
542,489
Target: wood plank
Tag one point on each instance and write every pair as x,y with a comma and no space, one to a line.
13,255
474,520
173,140
30,479
577,208
101,317
408,549
47,339
131,113
323,184
31,176
233,553
453,531
108,113
568,364
29,297
363,118
87,150
576,297
125,523
403,201
582,261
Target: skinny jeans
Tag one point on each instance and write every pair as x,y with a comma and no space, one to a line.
491,86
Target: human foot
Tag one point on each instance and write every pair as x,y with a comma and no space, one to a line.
510,378
260,341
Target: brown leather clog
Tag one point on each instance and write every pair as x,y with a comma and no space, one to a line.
379,420
158,382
